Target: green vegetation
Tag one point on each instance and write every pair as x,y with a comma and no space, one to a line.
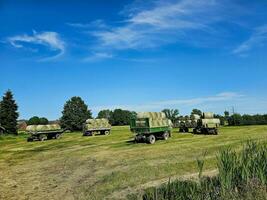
242,175
74,114
9,113
171,114
118,117
238,120
77,167
35,120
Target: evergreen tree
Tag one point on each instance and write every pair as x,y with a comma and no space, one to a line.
74,114
9,113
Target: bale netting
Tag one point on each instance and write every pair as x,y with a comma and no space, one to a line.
195,117
208,115
210,121
41,128
151,115
159,122
96,124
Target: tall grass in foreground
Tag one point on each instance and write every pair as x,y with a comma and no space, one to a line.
241,175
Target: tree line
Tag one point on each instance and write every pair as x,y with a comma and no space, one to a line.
76,112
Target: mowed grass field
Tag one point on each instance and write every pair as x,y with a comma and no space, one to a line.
106,167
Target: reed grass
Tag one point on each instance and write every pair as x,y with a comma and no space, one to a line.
241,175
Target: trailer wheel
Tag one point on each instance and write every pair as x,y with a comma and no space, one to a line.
166,135
107,132
30,139
57,136
42,138
186,130
151,139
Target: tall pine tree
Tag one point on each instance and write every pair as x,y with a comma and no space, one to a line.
74,114
8,113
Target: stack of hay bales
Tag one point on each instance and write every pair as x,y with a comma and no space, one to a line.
156,119
194,119
97,124
43,128
209,120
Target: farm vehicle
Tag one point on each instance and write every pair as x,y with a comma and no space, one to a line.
44,132
96,126
184,124
150,126
207,124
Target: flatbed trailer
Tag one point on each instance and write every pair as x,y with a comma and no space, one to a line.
101,131
44,135
147,133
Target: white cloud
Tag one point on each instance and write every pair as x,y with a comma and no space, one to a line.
258,38
159,105
97,57
51,40
164,23
94,24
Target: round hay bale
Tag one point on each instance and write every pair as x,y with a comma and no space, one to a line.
208,115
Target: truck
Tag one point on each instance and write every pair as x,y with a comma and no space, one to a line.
185,123
96,126
208,124
150,126
44,132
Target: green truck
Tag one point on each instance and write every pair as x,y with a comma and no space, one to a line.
96,126
208,124
149,126
44,132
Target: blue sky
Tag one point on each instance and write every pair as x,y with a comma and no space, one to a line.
137,55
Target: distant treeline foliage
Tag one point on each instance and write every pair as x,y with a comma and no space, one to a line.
37,121
238,120
118,117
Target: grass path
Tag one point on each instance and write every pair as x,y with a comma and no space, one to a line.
77,167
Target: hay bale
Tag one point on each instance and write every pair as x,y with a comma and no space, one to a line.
31,128
195,117
208,115
97,124
152,115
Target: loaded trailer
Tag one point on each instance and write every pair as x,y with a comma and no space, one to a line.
150,126
208,124
44,132
185,124
96,126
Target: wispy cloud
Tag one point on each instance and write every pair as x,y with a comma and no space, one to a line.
258,38
51,40
221,97
94,57
94,24
166,22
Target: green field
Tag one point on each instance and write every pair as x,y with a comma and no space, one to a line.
77,167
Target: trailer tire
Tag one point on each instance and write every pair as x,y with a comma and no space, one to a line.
42,138
106,132
151,139
165,135
29,139
57,136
